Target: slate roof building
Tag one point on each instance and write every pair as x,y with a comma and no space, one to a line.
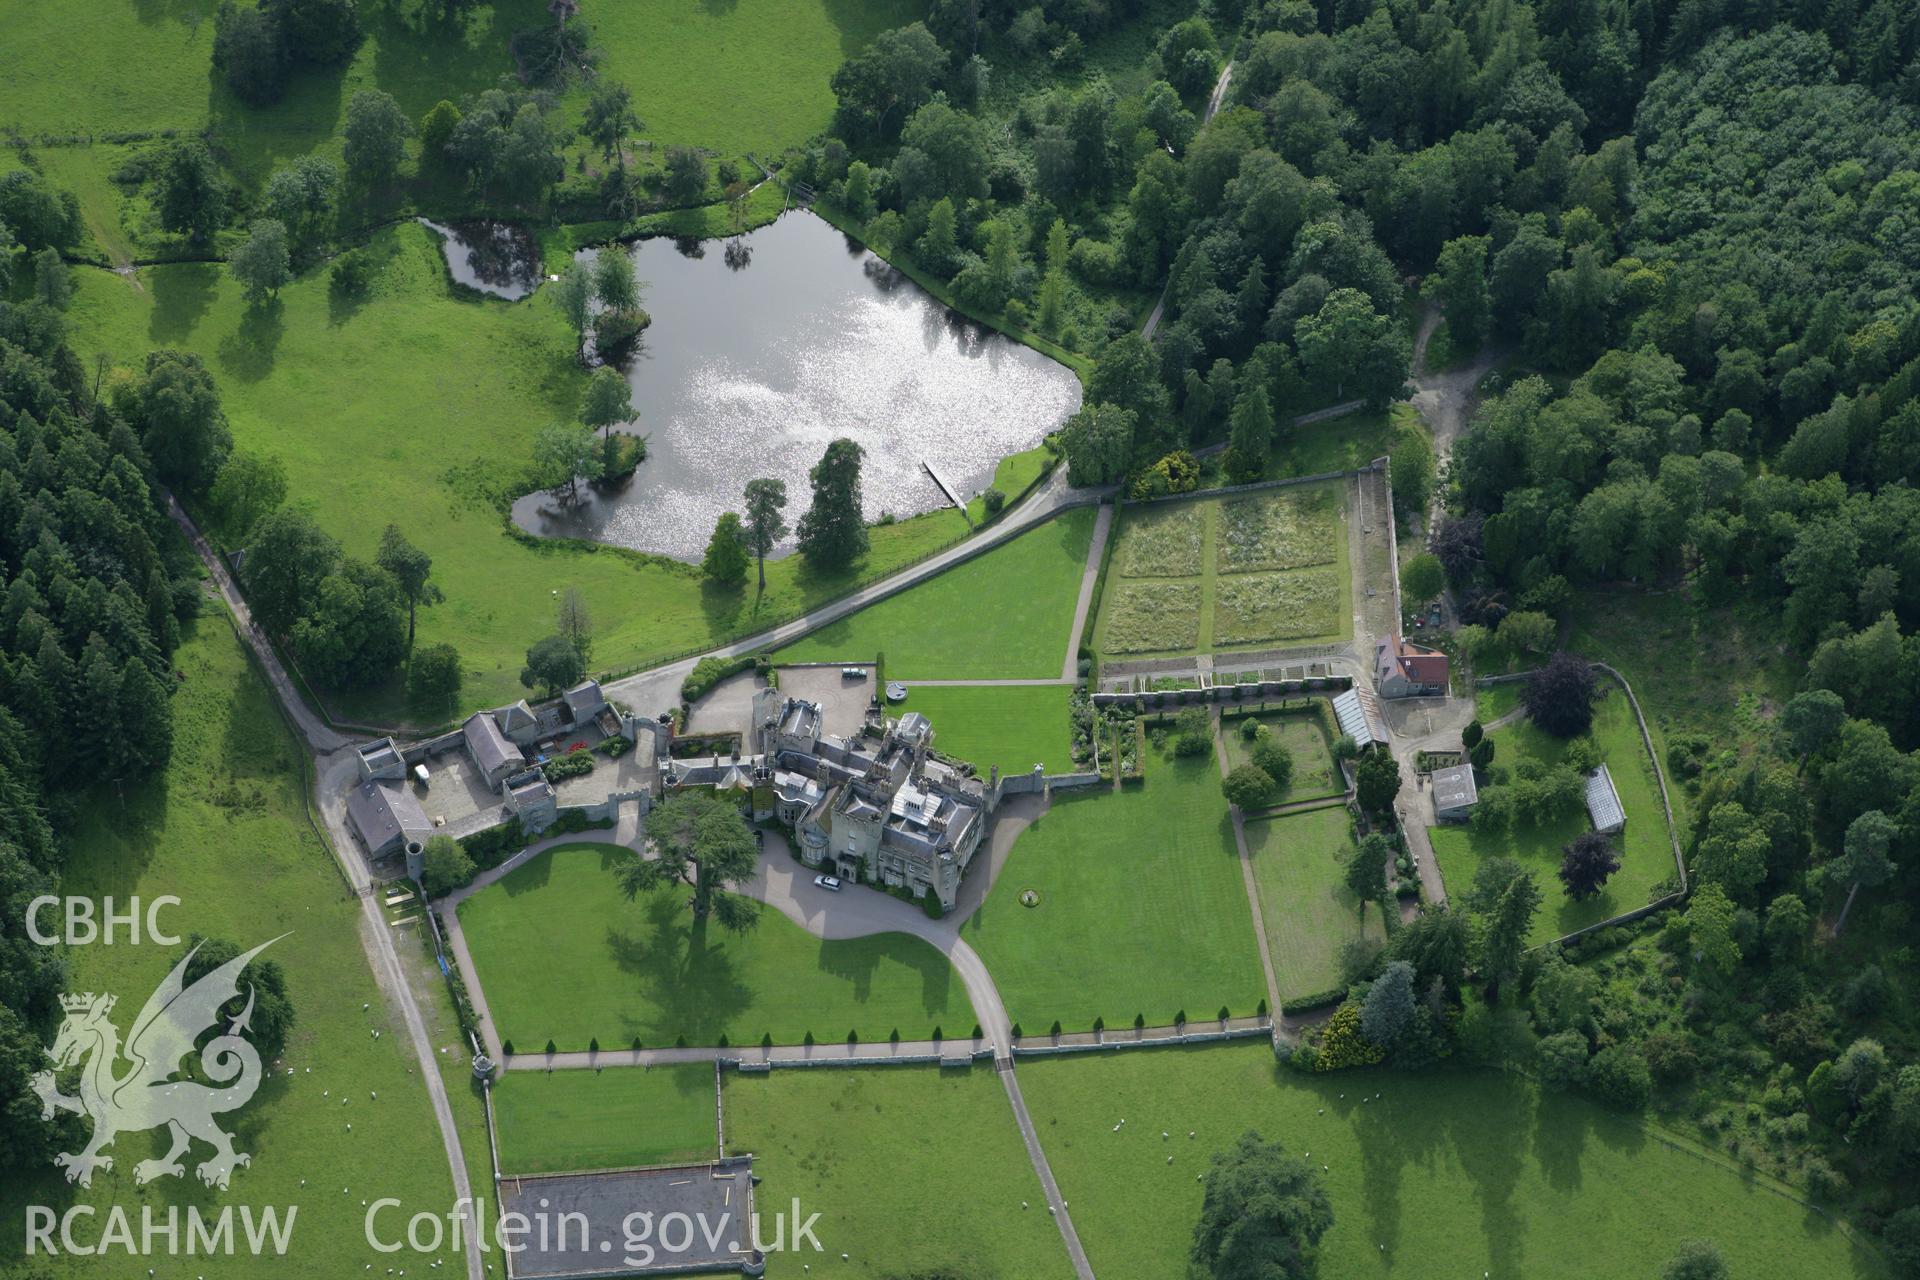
878,805
496,758
1454,793
386,817
1403,669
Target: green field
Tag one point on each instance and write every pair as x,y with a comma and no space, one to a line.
738,75
563,956
1015,474
1646,855
1298,869
733,78
1142,907
915,1172
1304,735
225,831
1210,574
1013,726
421,407
557,1121
1003,615
1448,1174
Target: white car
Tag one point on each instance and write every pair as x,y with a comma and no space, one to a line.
853,673
828,883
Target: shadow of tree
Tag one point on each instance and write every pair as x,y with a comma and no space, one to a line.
248,352
182,293
682,971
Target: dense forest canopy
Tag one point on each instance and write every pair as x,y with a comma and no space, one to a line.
90,617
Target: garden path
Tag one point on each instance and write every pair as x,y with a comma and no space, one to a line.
1246,876
1096,552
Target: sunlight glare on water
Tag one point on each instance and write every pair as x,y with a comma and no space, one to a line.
752,371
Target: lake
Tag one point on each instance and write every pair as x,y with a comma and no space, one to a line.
766,347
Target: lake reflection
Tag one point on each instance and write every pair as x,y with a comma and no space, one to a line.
764,349
499,258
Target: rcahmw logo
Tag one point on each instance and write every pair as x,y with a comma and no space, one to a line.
146,1095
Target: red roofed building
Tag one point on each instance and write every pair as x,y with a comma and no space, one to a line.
1403,669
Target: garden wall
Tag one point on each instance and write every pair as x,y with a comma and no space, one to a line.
1225,693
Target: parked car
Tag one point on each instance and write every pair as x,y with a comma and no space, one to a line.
827,882
853,673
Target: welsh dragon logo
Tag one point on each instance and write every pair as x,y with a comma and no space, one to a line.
148,1095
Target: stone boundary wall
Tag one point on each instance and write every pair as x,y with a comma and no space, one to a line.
1327,685
1255,486
1129,1038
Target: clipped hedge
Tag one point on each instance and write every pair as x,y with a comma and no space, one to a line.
709,672
1318,1000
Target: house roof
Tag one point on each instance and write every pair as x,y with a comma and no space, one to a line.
1453,788
1603,801
489,746
516,716
1418,663
584,699
382,813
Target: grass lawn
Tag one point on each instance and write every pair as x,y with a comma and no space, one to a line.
747,75
1304,605
1142,907
556,1121
563,956
1298,868
1304,735
1003,615
1215,574
1013,726
421,407
915,1171
1646,855
225,831
1015,474
1495,700
1448,1174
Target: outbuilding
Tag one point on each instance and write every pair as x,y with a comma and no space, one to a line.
1603,803
1454,793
